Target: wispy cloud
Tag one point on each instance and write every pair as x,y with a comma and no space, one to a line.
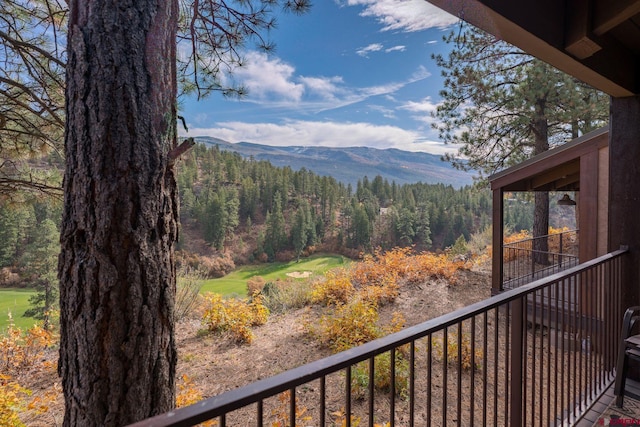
385,111
328,134
404,15
377,47
327,88
273,82
374,47
399,48
423,106
421,110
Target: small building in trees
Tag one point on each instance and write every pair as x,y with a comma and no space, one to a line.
597,42
580,167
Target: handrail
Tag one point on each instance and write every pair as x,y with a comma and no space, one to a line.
568,232
522,262
259,390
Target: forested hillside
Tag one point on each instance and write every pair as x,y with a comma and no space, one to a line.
237,210
251,210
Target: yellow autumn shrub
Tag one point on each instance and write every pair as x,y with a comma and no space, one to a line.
235,316
336,288
468,359
188,394
11,401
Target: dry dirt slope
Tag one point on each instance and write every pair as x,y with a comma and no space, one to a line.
215,364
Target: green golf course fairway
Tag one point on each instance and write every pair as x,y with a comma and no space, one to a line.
235,283
16,301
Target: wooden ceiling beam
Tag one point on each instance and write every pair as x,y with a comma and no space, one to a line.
580,41
568,183
538,28
556,174
608,14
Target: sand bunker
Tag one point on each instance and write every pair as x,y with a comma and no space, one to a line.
299,274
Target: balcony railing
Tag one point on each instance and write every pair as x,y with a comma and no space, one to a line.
536,355
523,263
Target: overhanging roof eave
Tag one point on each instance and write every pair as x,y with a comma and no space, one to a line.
550,159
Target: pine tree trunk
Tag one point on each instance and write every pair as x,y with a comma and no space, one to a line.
541,228
116,267
541,210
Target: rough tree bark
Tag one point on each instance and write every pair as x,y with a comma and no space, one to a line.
116,268
541,210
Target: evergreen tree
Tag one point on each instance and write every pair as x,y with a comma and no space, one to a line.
275,234
423,230
117,263
299,231
40,262
9,235
215,220
361,234
502,106
405,227
32,80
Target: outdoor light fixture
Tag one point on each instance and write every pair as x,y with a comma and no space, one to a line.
566,201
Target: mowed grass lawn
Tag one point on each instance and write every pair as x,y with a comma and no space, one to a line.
235,283
15,301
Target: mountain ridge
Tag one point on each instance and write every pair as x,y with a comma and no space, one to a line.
350,164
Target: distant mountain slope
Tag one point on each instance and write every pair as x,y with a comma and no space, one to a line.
350,164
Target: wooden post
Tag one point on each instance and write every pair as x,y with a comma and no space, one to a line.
498,238
624,191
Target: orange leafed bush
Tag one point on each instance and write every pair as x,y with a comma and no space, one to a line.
386,269
516,237
188,394
427,265
336,288
469,359
18,350
381,268
280,414
353,324
42,404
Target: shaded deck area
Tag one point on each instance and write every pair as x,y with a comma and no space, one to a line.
605,412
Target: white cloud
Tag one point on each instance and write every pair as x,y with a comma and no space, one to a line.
399,48
266,77
374,47
421,110
385,111
420,74
271,81
404,15
328,134
329,88
424,106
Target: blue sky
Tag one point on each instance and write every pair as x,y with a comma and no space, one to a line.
348,73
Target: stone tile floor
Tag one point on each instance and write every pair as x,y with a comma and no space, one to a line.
606,413
628,415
